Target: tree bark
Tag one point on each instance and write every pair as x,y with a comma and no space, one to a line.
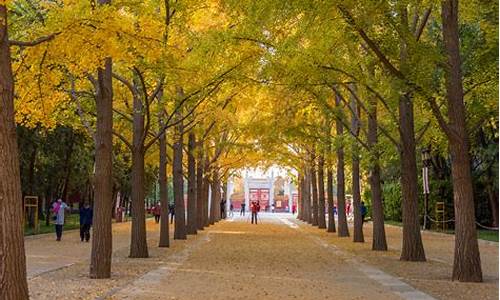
192,201
206,193
329,191
180,216
467,262
314,191
67,164
379,242
13,283
356,188
199,190
321,192
162,181
102,247
307,196
100,262
412,249
343,230
138,242
300,206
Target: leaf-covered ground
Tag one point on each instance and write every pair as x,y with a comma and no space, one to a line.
281,258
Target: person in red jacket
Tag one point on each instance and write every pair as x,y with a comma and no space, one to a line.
255,207
156,212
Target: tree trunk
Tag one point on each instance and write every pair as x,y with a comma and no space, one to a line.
467,262
102,247
215,198
163,183
356,188
356,201
199,190
300,188
100,262
412,249
493,200
307,197
321,192
329,191
180,216
67,165
13,284
206,193
138,242
343,230
379,242
314,190
191,213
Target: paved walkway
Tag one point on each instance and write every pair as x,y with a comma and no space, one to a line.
44,254
280,258
268,260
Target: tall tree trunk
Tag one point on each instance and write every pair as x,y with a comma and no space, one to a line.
493,200
138,241
180,216
412,249
163,183
379,242
300,201
321,192
100,262
467,262
199,190
356,188
329,191
67,165
191,213
102,247
314,190
13,284
307,196
343,230
216,197
206,193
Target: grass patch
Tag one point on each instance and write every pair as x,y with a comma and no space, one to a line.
482,234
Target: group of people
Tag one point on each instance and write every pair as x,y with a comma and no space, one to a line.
349,210
156,211
86,217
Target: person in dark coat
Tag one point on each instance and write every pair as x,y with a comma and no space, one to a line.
171,209
86,215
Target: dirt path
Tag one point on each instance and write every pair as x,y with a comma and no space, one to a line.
281,258
272,260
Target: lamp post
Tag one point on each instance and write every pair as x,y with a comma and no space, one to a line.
426,160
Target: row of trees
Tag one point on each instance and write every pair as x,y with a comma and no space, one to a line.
200,89
373,81
134,79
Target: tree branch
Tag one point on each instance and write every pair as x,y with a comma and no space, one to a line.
38,41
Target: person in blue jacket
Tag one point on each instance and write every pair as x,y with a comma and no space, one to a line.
86,215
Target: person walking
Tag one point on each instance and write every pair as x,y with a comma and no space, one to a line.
231,207
242,211
171,209
222,209
156,212
58,209
255,207
86,215
364,211
294,208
